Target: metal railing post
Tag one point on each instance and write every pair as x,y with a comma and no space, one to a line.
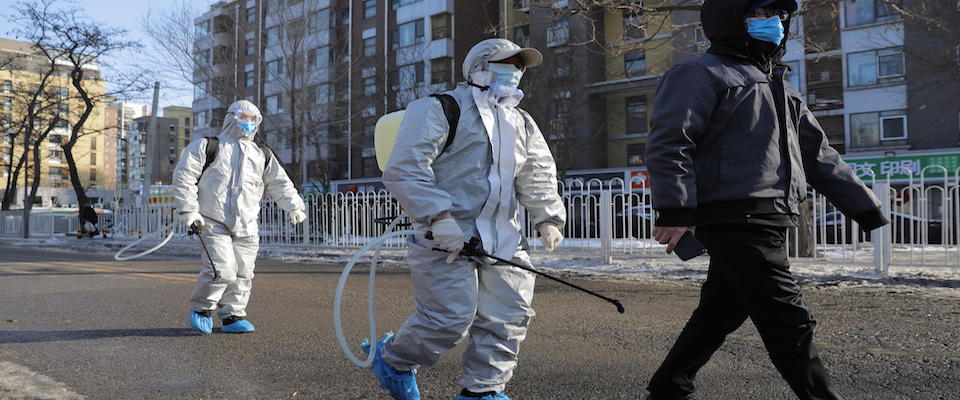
606,225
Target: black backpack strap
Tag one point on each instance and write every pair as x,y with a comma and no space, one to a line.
213,144
452,111
267,155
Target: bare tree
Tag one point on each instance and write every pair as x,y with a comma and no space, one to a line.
177,59
75,44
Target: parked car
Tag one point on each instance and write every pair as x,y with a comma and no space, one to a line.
906,228
634,222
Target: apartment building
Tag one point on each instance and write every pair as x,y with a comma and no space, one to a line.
121,116
18,80
163,156
879,83
183,116
323,71
593,96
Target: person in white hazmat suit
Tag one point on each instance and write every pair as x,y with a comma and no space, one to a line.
497,161
223,199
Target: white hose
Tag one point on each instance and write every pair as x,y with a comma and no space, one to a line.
371,293
118,256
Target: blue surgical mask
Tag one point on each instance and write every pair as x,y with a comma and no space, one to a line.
507,74
247,127
766,29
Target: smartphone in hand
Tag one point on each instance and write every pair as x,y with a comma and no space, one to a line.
689,247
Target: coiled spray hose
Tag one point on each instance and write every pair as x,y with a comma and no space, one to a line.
472,249
371,294
120,257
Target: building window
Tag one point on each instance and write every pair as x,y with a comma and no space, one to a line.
558,33
203,58
632,25
521,35
369,8
410,75
202,29
370,47
636,115
369,86
251,15
249,77
873,128
274,70
200,118
273,105
440,26
7,104
700,39
408,34
635,154
635,63
395,4
62,93
319,57
321,94
320,20
93,159
93,144
370,167
793,73
6,86
200,90
93,175
873,67
440,70
251,46
63,109
273,37
864,12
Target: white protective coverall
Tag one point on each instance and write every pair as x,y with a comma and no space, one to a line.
228,197
498,157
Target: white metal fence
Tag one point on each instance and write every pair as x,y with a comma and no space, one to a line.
43,223
604,219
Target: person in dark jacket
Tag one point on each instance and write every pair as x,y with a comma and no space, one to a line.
731,151
88,221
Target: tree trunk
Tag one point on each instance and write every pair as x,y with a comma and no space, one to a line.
10,193
78,189
804,246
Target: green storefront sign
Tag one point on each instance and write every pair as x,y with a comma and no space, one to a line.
903,167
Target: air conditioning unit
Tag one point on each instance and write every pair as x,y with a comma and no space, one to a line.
819,76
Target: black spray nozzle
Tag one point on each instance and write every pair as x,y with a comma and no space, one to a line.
195,230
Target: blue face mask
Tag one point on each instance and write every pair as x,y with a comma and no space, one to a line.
247,127
766,29
507,74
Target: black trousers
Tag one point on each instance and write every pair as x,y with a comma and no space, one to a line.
749,276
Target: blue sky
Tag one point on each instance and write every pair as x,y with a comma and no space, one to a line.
126,14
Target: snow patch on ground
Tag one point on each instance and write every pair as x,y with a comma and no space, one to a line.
646,264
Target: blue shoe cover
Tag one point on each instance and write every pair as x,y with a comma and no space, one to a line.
402,385
241,326
498,396
202,323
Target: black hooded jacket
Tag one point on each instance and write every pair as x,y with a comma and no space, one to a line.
731,139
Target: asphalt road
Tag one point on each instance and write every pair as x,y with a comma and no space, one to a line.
76,325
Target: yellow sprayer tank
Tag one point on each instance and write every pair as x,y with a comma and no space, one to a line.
385,136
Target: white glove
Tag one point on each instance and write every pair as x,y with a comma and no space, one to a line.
448,236
296,217
550,236
189,218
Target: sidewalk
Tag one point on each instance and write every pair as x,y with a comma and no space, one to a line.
567,261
